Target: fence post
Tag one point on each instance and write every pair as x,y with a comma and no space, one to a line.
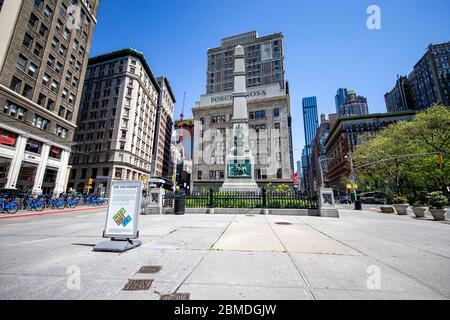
264,198
211,198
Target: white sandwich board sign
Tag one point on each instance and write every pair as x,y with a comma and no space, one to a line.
123,210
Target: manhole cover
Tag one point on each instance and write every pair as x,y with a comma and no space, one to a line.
136,285
175,296
150,269
283,223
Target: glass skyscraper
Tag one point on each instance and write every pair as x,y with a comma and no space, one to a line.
341,96
310,119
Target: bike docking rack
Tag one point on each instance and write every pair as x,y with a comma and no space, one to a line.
36,205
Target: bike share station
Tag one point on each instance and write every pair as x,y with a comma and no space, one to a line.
122,217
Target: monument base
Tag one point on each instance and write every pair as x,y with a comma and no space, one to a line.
239,174
229,186
327,206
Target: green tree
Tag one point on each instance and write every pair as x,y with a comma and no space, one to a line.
404,154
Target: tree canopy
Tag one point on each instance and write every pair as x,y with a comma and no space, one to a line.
408,158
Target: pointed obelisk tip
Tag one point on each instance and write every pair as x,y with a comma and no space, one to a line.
239,50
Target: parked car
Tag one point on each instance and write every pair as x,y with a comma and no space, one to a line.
373,198
344,199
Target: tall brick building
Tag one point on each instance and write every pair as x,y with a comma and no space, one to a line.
44,49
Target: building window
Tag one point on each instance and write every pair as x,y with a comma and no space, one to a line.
279,174
8,138
199,175
33,21
27,91
279,156
33,146
61,131
50,104
38,49
276,112
21,62
50,60
46,80
15,84
118,173
28,41
58,67
40,122
32,70
61,112
83,173
43,30
56,153
39,3
54,86
41,100
48,12
14,111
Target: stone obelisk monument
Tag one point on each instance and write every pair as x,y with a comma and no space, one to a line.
239,164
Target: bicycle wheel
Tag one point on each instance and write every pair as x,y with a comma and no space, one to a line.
60,204
12,207
72,204
38,205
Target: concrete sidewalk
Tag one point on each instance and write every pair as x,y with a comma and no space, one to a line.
363,255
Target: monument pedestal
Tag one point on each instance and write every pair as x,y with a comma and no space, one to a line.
327,206
240,174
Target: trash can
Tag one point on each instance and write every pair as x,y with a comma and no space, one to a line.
179,207
358,205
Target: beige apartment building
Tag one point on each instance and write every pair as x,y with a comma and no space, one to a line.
117,121
269,115
44,50
161,163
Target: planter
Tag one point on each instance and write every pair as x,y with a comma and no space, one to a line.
402,209
387,210
420,212
438,214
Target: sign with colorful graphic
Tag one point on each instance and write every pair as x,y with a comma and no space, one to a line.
123,210
121,219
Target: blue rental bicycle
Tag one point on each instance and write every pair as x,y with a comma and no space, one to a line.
8,205
29,202
58,203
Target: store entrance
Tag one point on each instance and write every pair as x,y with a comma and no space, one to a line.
49,182
5,164
26,178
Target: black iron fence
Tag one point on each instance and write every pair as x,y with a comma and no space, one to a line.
246,199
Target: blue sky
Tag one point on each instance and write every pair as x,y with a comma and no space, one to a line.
327,43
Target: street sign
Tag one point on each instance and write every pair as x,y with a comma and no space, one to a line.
352,186
123,210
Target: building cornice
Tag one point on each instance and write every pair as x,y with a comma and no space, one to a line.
334,130
122,54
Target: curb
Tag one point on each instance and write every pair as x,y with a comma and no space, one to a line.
50,212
